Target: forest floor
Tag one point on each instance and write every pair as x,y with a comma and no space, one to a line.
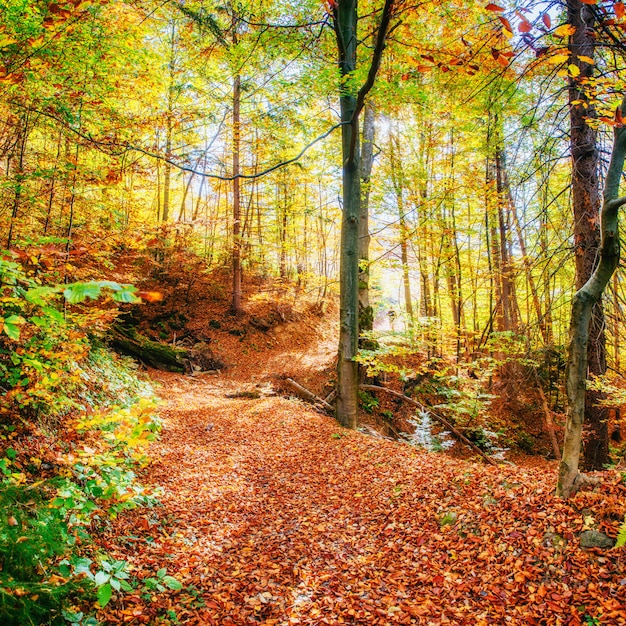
273,514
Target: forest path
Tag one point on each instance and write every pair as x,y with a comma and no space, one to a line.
272,514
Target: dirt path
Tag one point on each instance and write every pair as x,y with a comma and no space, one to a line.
274,515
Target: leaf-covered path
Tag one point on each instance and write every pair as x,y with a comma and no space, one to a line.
274,515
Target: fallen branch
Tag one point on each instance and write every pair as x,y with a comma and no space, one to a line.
440,419
309,395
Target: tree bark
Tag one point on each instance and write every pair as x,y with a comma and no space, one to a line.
236,301
347,368
581,328
586,206
345,18
366,313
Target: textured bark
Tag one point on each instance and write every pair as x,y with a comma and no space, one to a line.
581,327
345,18
158,355
347,368
586,206
366,314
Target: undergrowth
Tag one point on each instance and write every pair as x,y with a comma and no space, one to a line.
74,424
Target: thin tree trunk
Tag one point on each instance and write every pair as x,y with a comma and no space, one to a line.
236,302
397,180
19,175
581,319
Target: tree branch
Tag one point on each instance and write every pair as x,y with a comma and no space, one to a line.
117,149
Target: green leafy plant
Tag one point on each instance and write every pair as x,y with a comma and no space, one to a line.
161,581
621,535
368,402
42,346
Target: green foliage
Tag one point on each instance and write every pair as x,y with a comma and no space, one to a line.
621,535
161,581
43,520
43,348
368,402
50,367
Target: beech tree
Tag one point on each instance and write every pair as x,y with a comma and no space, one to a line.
345,21
582,310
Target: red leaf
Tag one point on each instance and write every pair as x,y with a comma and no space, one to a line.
493,7
150,296
619,120
619,9
546,20
525,27
505,23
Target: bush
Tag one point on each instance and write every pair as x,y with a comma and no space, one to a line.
74,422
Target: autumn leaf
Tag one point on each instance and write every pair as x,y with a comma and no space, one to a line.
493,7
150,296
565,30
505,23
546,20
574,70
525,26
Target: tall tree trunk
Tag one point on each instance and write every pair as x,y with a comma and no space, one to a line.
586,206
167,172
236,302
509,298
20,144
397,180
169,124
347,368
345,18
366,313
581,326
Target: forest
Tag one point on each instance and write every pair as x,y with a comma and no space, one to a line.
312,312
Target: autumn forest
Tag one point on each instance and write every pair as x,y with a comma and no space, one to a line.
312,312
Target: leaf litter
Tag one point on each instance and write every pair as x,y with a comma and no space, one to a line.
272,514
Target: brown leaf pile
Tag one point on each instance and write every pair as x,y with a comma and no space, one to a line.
274,515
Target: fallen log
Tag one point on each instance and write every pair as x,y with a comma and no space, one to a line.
161,356
308,395
440,419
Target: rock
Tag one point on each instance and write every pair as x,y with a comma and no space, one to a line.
554,540
595,539
202,358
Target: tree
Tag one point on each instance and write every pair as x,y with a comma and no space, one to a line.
345,20
586,205
582,311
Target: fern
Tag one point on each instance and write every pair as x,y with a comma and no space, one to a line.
621,535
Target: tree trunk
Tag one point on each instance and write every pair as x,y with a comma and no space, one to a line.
158,355
581,327
345,18
586,205
236,302
366,313
397,180
347,368
23,131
